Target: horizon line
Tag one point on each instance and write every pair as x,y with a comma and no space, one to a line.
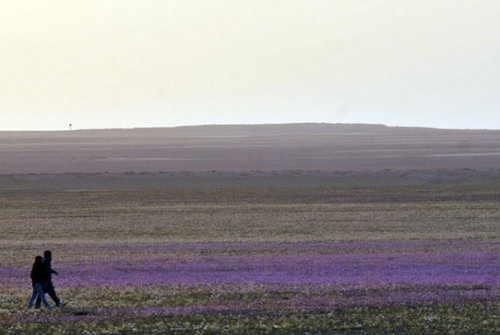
245,125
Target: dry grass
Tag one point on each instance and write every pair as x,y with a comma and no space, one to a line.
31,221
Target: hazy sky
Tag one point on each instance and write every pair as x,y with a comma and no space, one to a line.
124,63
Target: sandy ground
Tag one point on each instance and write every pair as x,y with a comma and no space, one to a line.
326,147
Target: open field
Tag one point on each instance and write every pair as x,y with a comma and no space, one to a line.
273,229
258,252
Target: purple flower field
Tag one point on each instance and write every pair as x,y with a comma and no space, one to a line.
295,277
317,264
140,262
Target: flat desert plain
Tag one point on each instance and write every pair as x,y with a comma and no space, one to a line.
326,147
272,229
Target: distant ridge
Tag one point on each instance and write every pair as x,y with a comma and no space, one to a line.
265,147
245,130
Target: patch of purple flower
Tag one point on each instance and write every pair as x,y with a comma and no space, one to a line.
414,269
403,268
295,277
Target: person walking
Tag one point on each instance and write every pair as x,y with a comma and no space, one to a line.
48,286
38,276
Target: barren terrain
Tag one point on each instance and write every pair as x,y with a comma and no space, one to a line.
327,147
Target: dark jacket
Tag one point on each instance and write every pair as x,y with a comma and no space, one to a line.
38,274
48,269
